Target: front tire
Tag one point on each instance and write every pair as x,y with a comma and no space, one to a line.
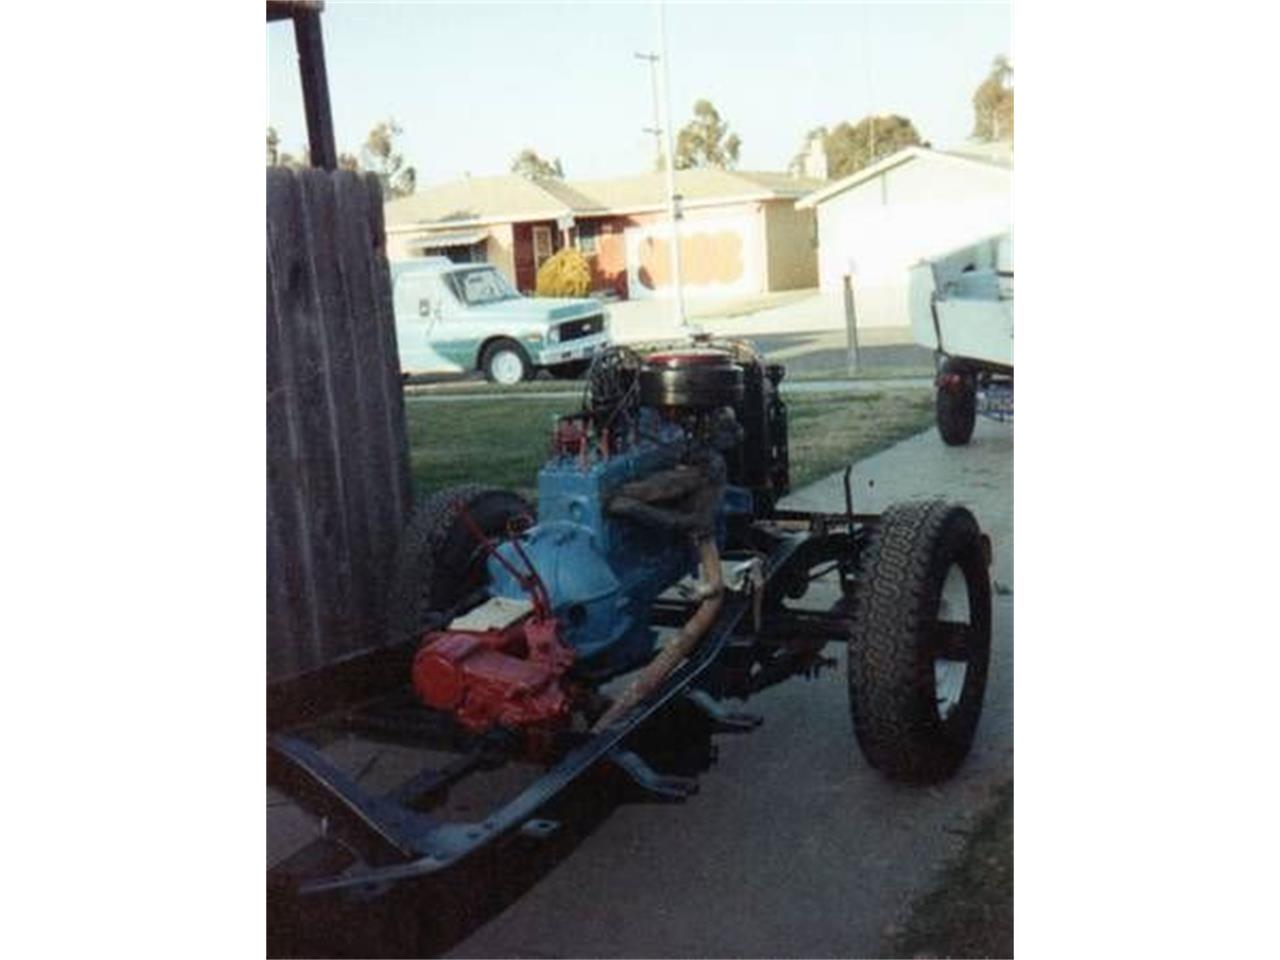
921,641
439,560
505,362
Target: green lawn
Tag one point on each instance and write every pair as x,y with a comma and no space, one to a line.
503,442
970,911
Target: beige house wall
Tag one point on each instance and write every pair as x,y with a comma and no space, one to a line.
790,255
500,250
875,231
397,247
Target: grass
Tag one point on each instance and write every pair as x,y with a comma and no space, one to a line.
463,388
970,912
826,431
919,372
502,442
460,387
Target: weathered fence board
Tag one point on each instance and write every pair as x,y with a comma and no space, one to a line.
337,455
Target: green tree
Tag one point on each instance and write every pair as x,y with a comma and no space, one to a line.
851,147
800,164
529,164
993,103
282,158
379,156
705,141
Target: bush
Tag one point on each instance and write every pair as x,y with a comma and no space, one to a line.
564,274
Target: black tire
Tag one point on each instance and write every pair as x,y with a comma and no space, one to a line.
956,410
502,356
439,561
898,656
570,371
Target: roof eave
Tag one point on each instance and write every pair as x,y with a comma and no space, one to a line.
888,163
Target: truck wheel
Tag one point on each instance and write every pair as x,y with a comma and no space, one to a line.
956,407
570,371
506,362
921,640
439,561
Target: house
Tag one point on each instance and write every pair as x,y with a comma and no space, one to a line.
875,224
740,232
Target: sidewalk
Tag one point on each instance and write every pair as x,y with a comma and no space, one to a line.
639,320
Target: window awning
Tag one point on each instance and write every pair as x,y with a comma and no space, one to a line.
456,238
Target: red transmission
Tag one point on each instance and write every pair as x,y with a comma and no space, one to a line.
508,677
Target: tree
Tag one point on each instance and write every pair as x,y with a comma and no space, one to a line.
705,141
851,147
528,164
281,158
993,103
802,164
379,156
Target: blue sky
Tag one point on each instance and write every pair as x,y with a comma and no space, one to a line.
472,84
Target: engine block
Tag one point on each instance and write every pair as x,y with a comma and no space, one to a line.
601,574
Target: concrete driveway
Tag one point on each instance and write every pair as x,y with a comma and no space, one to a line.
794,847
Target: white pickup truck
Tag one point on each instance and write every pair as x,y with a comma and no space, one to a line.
962,308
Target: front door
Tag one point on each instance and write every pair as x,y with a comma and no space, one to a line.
542,246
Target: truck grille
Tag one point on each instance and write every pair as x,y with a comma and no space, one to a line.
576,329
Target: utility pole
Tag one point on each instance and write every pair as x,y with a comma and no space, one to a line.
673,211
656,129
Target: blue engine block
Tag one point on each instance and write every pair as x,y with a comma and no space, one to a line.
603,573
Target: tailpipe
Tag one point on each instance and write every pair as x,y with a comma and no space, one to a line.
683,643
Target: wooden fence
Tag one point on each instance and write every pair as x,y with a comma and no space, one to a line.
338,491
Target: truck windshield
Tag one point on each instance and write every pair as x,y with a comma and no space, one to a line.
480,285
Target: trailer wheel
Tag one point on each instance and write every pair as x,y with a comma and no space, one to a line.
956,407
438,561
921,640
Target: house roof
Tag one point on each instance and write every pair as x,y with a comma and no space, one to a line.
905,155
514,198
476,199
997,152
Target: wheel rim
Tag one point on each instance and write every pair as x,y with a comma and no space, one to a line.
955,623
506,367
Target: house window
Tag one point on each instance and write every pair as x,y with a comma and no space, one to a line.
541,245
588,231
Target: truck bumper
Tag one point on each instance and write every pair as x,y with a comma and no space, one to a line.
583,349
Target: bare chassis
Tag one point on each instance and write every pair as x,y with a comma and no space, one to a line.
375,842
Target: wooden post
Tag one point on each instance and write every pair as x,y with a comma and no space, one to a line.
338,485
851,323
315,89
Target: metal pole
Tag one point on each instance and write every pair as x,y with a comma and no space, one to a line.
672,213
315,89
656,129
851,324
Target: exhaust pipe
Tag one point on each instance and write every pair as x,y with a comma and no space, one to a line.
684,642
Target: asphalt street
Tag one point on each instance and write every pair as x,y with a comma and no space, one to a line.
794,846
